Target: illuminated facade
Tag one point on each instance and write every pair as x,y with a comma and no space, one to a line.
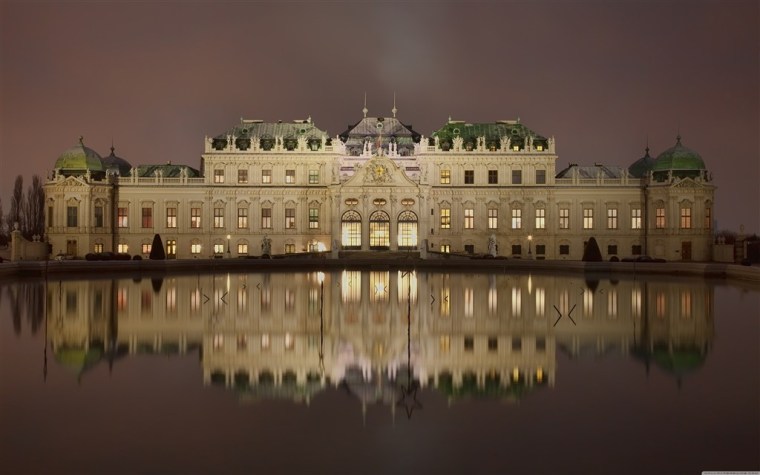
281,188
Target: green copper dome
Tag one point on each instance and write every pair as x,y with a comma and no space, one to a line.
79,159
641,167
678,158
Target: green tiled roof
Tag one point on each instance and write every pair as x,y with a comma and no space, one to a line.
79,159
678,157
492,131
248,130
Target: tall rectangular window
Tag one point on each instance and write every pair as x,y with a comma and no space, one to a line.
195,218
266,218
147,217
708,217
540,177
686,217
218,217
242,176
171,217
195,248
290,177
445,177
290,248
266,177
493,218
313,177
242,249
171,248
659,218
72,216
445,218
588,218
218,176
242,221
98,216
540,218
469,177
122,219
612,218
50,217
146,248
290,218
516,177
469,218
493,177
564,218
516,219
636,218
313,218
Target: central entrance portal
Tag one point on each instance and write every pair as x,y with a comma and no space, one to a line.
379,231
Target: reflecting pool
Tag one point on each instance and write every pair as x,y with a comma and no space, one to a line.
378,372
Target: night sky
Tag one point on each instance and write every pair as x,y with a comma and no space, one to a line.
601,77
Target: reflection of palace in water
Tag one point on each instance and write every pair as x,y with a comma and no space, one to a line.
290,335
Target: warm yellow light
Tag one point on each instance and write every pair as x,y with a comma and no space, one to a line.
530,237
515,374
320,277
539,374
228,236
321,247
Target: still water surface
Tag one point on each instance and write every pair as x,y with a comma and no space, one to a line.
378,372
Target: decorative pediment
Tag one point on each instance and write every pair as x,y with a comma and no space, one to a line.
379,171
76,181
686,183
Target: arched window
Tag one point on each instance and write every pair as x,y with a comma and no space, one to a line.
407,230
351,230
379,230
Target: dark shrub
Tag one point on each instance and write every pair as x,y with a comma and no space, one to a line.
591,252
157,251
123,257
614,259
137,257
90,257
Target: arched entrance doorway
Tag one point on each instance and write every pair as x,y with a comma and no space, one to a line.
407,230
351,230
379,231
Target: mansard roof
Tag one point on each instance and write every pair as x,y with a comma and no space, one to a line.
492,131
250,129
380,129
593,172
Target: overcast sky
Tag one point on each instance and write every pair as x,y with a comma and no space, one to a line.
601,77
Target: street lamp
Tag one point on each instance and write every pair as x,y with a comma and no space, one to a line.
530,252
228,246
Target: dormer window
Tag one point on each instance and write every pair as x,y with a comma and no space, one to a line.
540,148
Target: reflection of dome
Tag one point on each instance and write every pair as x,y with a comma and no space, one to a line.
641,167
680,160
78,360
112,162
78,160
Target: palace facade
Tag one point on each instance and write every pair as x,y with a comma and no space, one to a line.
287,187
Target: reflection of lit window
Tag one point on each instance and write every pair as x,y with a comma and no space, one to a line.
266,299
351,286
218,342
660,304
469,297
493,299
612,304
445,305
313,300
564,302
445,343
516,301
121,299
171,299
378,283
636,302
195,300
265,343
686,304
540,301
242,342
407,283
290,342
588,303
146,301
242,299
290,299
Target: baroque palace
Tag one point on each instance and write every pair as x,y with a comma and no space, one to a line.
287,187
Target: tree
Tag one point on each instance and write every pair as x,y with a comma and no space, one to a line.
3,230
17,203
157,249
591,252
34,209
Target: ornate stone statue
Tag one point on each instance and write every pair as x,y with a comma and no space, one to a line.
492,245
266,246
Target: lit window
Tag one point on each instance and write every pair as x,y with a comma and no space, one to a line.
290,176
218,176
195,248
564,218
445,218
540,218
445,177
242,176
659,222
290,248
265,342
121,213
636,218
516,219
72,218
171,217
313,218
469,218
242,221
516,177
218,217
313,177
146,248
266,176
218,248
685,217
612,218
242,249
195,217
469,177
290,218
266,218
290,342
446,248
493,177
147,217
122,248
98,247
171,247
540,177
493,218
588,218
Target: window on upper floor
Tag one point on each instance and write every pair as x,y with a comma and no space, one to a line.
564,218
516,219
493,218
171,217
659,218
218,217
540,218
242,176
242,221
266,177
469,177
290,218
266,218
445,177
195,218
218,176
516,177
147,217
540,177
685,217
588,218
98,216
469,218
636,218
313,177
290,177
72,213
612,218
493,177
445,218
122,218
